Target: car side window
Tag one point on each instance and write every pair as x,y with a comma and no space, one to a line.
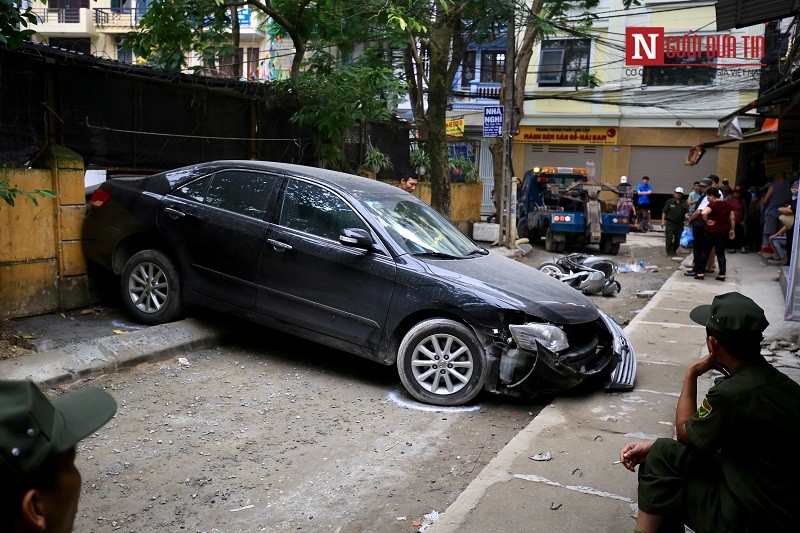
242,192
195,190
314,210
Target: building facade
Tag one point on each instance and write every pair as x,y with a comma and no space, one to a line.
98,28
585,101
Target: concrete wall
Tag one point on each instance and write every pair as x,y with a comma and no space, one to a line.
42,266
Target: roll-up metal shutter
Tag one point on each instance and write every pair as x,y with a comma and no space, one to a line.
545,155
666,169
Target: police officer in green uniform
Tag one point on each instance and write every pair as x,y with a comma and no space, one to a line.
672,220
735,465
39,483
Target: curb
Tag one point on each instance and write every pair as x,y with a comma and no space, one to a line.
107,354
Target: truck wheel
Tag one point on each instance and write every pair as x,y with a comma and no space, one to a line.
549,244
605,245
614,248
522,228
441,362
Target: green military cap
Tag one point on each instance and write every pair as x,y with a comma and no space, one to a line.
705,182
34,430
731,315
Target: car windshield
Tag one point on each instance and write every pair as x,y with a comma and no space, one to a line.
419,229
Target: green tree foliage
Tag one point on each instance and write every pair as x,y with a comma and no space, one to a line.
172,29
335,98
9,193
14,23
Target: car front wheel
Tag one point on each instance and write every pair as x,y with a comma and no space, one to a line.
151,288
441,362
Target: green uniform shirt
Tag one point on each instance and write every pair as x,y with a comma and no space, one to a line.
675,211
753,419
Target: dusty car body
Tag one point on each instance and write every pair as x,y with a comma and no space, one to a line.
353,264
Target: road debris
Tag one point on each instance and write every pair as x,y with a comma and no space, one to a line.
546,456
242,508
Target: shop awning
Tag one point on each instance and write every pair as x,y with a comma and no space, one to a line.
768,132
741,13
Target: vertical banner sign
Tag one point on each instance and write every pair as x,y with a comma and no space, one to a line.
493,121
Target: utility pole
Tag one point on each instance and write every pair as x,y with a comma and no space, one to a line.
507,196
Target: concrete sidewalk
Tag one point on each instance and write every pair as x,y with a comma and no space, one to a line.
107,354
581,489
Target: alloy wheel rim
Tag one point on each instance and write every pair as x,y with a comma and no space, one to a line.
442,364
148,287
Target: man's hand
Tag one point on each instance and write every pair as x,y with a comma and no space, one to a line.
634,453
709,362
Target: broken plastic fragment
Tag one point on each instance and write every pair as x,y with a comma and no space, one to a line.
184,361
546,456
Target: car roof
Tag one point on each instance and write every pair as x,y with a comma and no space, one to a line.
355,185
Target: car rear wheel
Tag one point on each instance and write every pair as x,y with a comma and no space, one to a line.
151,288
441,362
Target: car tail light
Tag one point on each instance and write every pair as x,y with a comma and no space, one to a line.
99,197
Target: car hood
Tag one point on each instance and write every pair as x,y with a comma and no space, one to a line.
519,285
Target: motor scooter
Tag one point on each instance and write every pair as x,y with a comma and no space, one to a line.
586,273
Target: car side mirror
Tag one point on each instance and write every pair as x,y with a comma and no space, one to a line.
357,238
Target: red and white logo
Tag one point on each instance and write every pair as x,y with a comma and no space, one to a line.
644,46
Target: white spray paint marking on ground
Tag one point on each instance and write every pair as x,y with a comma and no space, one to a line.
670,325
576,488
408,404
673,394
634,399
120,324
640,436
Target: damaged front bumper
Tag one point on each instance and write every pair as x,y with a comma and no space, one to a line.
545,358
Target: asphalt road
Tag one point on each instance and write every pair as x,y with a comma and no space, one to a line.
275,434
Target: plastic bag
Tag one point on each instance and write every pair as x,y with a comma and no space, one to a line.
687,237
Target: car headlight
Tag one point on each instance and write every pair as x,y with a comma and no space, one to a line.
551,337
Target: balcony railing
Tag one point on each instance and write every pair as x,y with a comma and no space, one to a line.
63,15
491,92
118,17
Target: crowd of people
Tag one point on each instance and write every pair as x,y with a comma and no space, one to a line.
721,218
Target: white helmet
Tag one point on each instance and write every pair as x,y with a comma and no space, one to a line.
623,179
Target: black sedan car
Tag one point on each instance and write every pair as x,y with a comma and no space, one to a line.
354,264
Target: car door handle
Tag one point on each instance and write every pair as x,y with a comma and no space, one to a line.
173,213
279,245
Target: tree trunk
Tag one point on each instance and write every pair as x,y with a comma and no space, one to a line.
235,64
441,37
522,59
